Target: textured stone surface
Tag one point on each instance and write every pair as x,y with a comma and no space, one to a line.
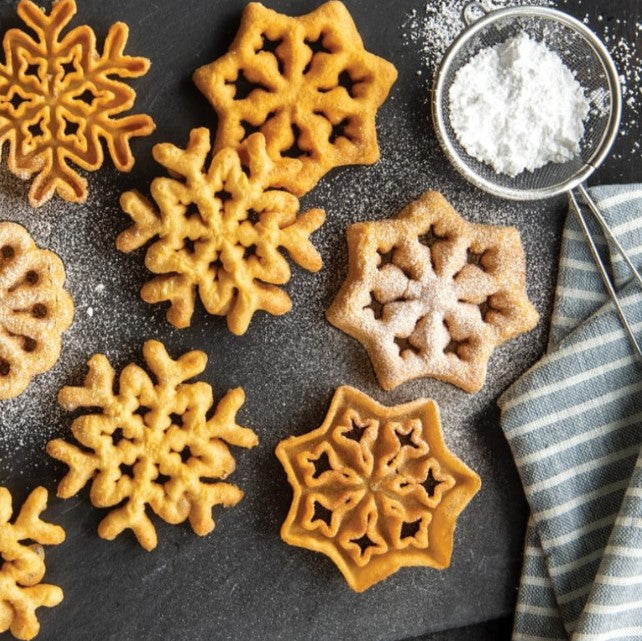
242,582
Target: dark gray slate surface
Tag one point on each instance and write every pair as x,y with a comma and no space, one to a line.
242,582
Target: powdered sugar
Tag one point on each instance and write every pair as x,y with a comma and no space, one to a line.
109,316
517,106
434,28
622,39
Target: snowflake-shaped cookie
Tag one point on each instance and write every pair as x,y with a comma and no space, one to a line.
306,83
219,232
59,97
152,444
375,488
35,309
429,294
21,592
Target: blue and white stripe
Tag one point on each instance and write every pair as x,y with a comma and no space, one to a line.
574,425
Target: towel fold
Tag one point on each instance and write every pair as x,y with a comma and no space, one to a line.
574,425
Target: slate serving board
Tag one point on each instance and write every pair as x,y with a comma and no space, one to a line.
242,582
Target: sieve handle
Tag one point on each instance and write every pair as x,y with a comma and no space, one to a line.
592,205
475,10
600,265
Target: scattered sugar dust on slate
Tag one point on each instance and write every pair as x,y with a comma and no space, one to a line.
411,163
109,316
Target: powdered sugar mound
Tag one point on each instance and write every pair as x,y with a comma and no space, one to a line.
517,106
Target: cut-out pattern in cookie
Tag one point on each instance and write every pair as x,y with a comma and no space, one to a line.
429,294
375,488
35,309
155,442
219,232
306,83
21,590
59,96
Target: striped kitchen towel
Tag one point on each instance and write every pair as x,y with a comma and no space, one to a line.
574,425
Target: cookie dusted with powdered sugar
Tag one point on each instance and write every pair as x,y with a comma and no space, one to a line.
430,294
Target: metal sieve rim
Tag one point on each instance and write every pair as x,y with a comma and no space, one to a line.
439,116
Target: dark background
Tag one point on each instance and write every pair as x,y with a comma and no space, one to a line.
242,582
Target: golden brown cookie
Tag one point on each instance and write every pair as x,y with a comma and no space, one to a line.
152,443
375,488
59,96
219,232
21,590
429,294
307,84
35,309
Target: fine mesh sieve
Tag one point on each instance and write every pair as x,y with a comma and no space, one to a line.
584,54
581,52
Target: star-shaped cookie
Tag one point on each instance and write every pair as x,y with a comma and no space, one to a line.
375,488
306,83
430,294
